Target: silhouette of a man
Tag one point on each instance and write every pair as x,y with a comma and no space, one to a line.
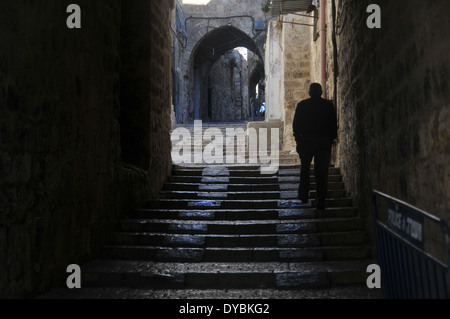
315,129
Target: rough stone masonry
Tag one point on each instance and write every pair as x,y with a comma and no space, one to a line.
72,103
393,103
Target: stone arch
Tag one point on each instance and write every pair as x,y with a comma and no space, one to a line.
201,27
201,20
219,41
207,50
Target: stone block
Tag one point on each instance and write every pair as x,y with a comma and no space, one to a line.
268,125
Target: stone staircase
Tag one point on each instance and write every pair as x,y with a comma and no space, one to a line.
218,232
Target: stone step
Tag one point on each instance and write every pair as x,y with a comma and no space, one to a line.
338,291
201,149
217,227
290,167
199,162
198,204
216,240
251,195
171,186
344,238
235,254
285,170
241,150
221,126
239,145
264,179
246,173
239,214
296,171
325,225
213,240
150,275
243,167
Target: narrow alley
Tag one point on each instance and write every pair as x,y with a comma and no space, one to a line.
147,150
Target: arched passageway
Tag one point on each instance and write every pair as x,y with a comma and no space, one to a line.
221,66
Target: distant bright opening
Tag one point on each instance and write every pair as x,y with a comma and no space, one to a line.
243,52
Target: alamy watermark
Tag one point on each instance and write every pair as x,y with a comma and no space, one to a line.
74,279
251,146
374,19
374,279
74,19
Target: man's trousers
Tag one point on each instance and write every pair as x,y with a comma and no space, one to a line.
318,148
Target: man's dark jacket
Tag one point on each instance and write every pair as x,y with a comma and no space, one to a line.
315,117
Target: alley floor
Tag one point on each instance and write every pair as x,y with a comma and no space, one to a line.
231,232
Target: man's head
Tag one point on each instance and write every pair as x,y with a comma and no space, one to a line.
315,90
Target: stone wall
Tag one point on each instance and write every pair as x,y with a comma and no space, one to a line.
297,70
330,90
63,182
316,51
394,103
274,73
160,163
390,88
178,42
288,71
226,89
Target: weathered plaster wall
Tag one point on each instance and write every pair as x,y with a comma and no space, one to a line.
288,71
274,73
297,70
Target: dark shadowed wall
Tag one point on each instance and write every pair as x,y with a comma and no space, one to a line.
394,104
84,130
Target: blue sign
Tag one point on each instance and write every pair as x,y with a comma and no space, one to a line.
260,26
406,222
